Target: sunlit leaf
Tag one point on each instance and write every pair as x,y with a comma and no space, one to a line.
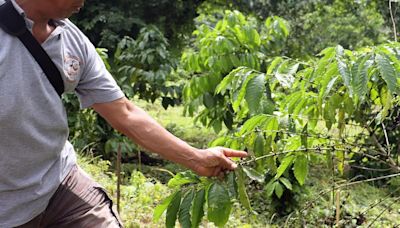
253,174
172,210
254,91
286,162
243,197
219,204
301,168
183,178
278,189
387,71
198,207
184,209
159,210
286,183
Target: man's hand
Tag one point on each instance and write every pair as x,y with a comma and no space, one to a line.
213,161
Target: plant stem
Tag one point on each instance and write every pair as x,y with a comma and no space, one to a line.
393,22
118,176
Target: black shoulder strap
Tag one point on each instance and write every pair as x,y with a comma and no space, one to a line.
13,23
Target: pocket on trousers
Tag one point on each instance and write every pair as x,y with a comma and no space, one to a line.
113,210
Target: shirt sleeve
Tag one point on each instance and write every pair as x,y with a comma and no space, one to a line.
96,84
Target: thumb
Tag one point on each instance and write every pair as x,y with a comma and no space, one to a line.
227,163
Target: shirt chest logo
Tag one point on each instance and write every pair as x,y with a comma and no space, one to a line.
72,67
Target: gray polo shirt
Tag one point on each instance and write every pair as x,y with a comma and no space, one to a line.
34,150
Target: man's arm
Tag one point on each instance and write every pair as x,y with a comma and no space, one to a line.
135,123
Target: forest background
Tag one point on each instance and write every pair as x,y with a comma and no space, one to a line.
308,88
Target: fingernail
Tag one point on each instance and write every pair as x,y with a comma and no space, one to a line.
234,166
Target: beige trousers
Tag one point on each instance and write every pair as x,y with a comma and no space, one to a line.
79,202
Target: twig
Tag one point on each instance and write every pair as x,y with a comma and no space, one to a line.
387,139
323,192
118,170
319,150
368,180
295,60
380,214
393,22
371,169
337,207
140,159
164,170
380,201
382,150
315,150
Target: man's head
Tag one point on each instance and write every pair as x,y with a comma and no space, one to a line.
50,9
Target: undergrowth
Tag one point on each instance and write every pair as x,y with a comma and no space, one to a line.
362,205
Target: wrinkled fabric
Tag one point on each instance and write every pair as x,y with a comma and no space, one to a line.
78,202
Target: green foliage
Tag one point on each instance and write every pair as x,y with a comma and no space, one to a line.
198,194
172,210
198,207
288,114
107,22
243,197
234,42
144,67
321,23
219,204
309,99
140,194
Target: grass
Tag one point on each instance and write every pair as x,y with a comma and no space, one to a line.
360,205
182,126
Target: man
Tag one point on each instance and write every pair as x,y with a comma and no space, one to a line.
40,183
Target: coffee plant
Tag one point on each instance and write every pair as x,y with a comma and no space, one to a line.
340,108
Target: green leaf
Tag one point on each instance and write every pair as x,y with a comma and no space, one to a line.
293,99
271,125
386,101
159,210
270,187
278,190
184,210
329,159
253,174
285,73
259,145
304,136
254,91
243,197
329,87
219,204
236,101
183,178
217,125
231,184
301,168
286,162
341,159
345,73
223,85
198,207
208,100
221,141
286,182
387,71
274,65
251,123
172,210
360,77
